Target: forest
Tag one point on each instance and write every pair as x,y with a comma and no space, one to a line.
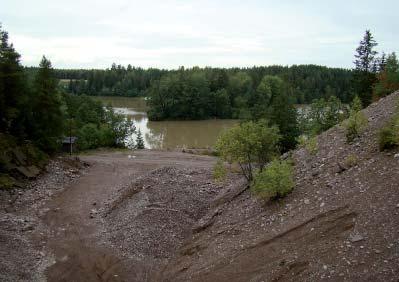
305,82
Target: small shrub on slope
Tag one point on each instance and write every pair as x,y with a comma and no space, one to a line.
275,181
219,171
389,134
356,122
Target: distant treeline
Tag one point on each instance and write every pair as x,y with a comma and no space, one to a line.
305,82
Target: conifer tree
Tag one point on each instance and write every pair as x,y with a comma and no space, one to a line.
47,114
365,68
139,141
13,94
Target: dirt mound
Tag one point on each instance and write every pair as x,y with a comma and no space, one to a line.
154,214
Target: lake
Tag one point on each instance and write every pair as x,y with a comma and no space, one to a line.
168,134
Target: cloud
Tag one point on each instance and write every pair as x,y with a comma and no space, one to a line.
171,33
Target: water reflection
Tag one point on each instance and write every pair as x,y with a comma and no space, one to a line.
169,134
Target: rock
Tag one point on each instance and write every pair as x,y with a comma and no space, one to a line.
322,204
356,238
306,201
340,168
396,156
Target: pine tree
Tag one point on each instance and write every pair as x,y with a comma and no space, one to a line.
47,114
365,68
13,93
284,115
139,141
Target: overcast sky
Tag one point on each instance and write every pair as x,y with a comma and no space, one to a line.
168,34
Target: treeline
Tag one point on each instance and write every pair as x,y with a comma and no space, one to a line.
116,81
306,82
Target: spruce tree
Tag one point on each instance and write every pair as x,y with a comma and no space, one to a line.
139,141
47,115
13,92
364,75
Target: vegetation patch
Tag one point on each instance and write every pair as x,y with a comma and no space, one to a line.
351,161
219,171
389,134
357,121
275,181
309,143
249,144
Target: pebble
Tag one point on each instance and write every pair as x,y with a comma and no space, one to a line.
356,238
306,201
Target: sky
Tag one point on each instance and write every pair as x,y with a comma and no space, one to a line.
172,33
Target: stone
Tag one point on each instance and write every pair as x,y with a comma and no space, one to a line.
306,201
356,238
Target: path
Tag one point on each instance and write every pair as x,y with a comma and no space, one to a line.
78,256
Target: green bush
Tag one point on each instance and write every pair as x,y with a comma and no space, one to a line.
89,137
275,181
219,171
356,122
248,144
310,144
389,135
355,125
351,161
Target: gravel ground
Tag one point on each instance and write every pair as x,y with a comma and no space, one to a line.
158,216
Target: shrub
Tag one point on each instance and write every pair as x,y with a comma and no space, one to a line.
219,171
89,136
351,160
275,181
310,144
247,144
389,135
356,122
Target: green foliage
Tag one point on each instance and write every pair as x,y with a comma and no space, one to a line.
322,115
47,115
364,74
14,105
388,78
309,143
219,171
139,141
305,82
247,144
89,137
356,122
389,134
283,114
275,181
94,125
351,161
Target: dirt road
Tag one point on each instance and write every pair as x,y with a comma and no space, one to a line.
73,221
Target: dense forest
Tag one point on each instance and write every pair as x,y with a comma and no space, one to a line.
305,82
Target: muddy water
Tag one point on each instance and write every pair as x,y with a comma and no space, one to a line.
169,134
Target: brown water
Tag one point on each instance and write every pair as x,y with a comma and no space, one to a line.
169,134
